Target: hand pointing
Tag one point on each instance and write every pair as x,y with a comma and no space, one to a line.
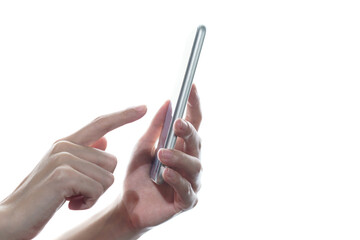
76,168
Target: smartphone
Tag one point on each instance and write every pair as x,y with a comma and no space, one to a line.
167,137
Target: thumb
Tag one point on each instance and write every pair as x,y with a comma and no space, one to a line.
152,134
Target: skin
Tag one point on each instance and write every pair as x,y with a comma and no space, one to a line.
144,204
78,170
74,170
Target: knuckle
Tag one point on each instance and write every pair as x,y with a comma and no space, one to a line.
192,133
112,161
110,180
63,179
198,168
60,158
198,187
98,190
190,196
99,123
189,133
60,146
191,129
62,174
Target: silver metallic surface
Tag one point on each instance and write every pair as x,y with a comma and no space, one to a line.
186,86
158,167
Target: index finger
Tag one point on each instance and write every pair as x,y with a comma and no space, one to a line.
193,110
104,124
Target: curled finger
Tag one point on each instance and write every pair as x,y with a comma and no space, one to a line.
188,166
189,134
98,157
100,175
81,189
185,197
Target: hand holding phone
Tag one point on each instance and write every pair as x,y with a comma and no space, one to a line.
167,136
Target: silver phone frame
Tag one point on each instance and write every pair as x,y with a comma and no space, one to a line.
157,166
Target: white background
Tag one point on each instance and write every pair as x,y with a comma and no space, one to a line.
279,85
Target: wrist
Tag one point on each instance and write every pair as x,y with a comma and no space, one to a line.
122,223
113,223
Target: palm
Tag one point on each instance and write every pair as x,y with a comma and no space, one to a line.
146,203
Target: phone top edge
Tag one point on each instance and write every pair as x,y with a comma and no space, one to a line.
186,85
201,29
